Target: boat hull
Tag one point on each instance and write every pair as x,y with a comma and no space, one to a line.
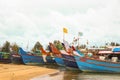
93,65
16,59
5,57
30,59
59,61
50,60
70,62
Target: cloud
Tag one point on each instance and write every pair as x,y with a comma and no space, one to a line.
24,21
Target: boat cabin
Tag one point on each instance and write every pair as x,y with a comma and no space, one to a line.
113,55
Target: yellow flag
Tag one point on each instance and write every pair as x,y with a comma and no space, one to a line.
65,30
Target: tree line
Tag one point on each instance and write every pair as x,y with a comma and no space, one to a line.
15,47
7,46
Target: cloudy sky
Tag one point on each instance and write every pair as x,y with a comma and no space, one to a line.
24,21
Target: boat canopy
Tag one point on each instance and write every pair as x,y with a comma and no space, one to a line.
105,52
108,52
116,49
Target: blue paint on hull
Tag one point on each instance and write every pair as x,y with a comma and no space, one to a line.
50,60
16,59
92,65
59,61
27,59
69,61
30,59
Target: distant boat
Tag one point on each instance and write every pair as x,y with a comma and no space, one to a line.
5,57
110,62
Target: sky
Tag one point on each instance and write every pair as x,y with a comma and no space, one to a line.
28,21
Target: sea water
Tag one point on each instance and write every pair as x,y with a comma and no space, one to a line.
65,74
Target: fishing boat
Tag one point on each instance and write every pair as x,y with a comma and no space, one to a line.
69,60
107,61
5,57
57,55
29,58
47,56
64,58
50,60
68,56
36,58
59,61
16,58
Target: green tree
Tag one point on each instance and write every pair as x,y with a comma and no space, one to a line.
6,47
37,46
83,46
117,44
15,47
112,44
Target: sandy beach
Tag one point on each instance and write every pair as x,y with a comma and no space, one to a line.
22,72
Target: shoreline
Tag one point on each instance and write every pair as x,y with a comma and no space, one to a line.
23,72
52,76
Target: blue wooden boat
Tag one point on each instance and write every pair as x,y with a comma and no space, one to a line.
47,56
50,60
29,58
16,58
33,58
57,55
59,61
69,61
91,64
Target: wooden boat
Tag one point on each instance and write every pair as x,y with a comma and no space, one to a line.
109,62
47,56
29,58
69,60
33,58
50,60
68,56
16,58
57,55
5,57
63,58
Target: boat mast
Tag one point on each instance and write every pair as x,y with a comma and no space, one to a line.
79,35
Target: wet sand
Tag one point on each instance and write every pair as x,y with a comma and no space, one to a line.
53,76
22,72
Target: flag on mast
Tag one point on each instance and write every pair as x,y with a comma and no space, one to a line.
80,34
66,44
65,30
87,42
